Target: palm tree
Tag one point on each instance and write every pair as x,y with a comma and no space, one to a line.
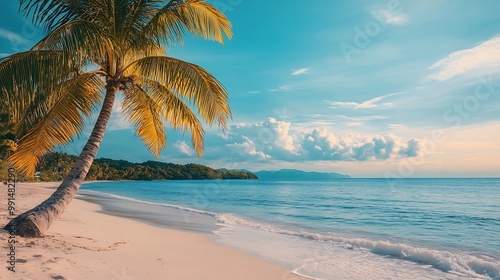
7,136
94,49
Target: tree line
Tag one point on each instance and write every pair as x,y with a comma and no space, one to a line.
54,166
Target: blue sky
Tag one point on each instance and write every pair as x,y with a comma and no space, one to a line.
368,88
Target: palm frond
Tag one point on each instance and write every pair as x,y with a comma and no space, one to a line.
63,119
188,81
24,74
176,112
145,114
132,16
141,49
198,17
80,39
51,14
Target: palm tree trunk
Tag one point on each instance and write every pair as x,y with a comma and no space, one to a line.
36,221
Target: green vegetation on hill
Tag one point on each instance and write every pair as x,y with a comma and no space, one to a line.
54,166
293,174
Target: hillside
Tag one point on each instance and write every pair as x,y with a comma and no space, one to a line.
293,174
54,166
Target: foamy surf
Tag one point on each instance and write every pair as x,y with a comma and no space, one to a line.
453,263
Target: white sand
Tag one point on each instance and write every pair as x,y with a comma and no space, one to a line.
85,244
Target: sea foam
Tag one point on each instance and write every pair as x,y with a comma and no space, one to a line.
457,263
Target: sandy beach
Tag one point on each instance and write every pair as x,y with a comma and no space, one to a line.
87,244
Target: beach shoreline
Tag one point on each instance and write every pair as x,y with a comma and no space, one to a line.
86,241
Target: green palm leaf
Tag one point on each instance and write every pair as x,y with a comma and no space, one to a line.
64,119
176,112
188,81
134,16
198,17
145,114
51,14
79,39
24,74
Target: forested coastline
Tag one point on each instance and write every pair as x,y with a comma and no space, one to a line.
54,166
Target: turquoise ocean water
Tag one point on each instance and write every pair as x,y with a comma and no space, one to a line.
340,229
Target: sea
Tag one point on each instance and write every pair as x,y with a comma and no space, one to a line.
331,229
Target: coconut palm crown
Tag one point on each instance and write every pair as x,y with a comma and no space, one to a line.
94,49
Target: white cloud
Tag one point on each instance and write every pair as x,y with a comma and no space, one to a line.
399,19
118,120
247,149
353,124
13,37
339,104
358,148
282,138
397,126
391,18
278,140
301,71
184,148
372,103
368,104
365,118
281,88
484,58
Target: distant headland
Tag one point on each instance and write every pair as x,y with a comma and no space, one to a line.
294,174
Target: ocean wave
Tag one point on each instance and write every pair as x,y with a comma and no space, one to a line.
460,264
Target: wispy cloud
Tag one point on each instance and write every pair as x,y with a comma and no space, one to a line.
483,57
397,126
372,103
391,18
350,124
301,71
339,104
281,88
400,19
184,148
365,118
13,37
368,104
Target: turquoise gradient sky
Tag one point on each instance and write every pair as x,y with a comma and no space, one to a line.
367,88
